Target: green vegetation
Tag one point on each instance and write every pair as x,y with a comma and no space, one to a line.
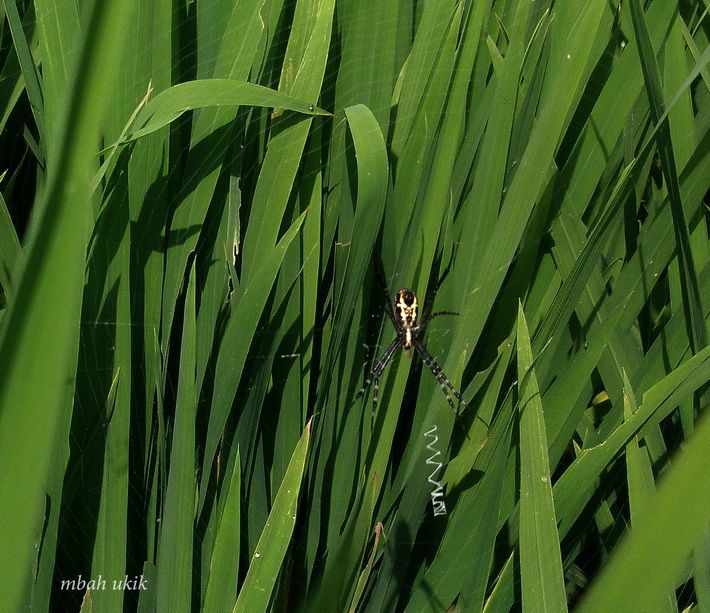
195,201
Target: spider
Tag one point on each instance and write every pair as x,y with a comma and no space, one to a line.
403,315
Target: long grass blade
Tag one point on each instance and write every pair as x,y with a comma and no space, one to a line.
540,562
268,557
47,305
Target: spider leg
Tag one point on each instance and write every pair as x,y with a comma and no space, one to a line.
438,373
376,372
428,318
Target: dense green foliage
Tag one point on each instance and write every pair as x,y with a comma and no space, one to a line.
196,198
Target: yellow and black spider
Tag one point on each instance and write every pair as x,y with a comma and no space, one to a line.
403,315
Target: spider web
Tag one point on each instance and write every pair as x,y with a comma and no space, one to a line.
95,367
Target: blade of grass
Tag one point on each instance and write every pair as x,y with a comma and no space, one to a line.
586,164
240,330
464,557
690,292
573,489
674,521
541,571
10,248
432,30
367,571
640,480
373,175
214,133
268,557
60,34
174,558
307,49
528,180
27,65
371,191
701,571
490,174
221,589
111,544
51,275
171,103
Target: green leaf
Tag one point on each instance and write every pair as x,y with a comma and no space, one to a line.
224,565
237,337
27,65
174,560
541,572
690,292
573,489
171,103
10,248
46,304
673,523
268,557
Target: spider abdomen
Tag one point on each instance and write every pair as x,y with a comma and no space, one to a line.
406,308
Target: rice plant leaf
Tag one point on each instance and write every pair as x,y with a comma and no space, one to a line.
148,171
367,571
640,480
237,339
690,292
12,87
528,180
563,396
701,571
224,565
695,51
373,175
216,130
147,598
541,572
489,172
574,487
503,593
171,103
307,53
47,304
311,257
465,555
568,296
108,297
10,248
256,591
431,34
675,520
413,219
60,37
681,119
87,604
174,559
109,555
640,477
610,112
228,35
27,65
371,32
